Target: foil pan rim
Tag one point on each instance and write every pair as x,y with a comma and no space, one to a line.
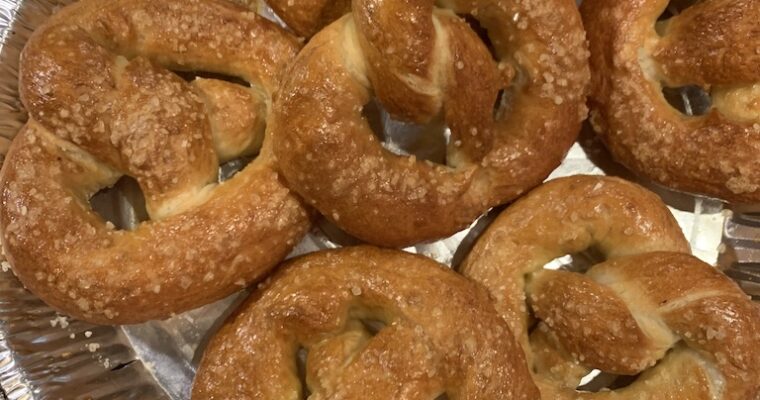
13,383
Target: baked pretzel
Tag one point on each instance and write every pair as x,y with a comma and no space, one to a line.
651,304
712,44
422,61
102,104
441,335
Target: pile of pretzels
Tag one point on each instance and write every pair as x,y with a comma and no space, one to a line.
165,91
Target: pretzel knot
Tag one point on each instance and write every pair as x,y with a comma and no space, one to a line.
712,44
650,309
434,342
423,62
103,104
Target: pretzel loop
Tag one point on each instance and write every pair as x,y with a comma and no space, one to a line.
650,309
322,303
103,103
423,62
712,44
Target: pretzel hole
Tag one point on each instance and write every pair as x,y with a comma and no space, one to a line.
424,141
674,8
576,262
689,100
122,204
504,97
598,381
230,168
373,326
482,33
190,76
301,355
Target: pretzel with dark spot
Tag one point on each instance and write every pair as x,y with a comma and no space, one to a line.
102,104
651,308
441,335
423,62
713,44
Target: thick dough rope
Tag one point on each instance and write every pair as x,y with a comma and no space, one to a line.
441,335
422,62
103,104
713,44
651,308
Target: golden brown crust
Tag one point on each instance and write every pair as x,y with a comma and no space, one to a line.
103,104
650,308
712,44
307,17
441,335
237,111
421,61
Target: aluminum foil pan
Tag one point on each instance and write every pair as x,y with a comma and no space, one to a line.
48,356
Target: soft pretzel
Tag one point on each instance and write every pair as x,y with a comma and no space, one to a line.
441,335
712,44
103,104
651,308
422,61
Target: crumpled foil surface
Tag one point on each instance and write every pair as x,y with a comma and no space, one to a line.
44,355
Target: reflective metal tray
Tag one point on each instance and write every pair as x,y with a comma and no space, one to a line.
47,356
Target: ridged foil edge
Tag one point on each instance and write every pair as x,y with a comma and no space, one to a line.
13,383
